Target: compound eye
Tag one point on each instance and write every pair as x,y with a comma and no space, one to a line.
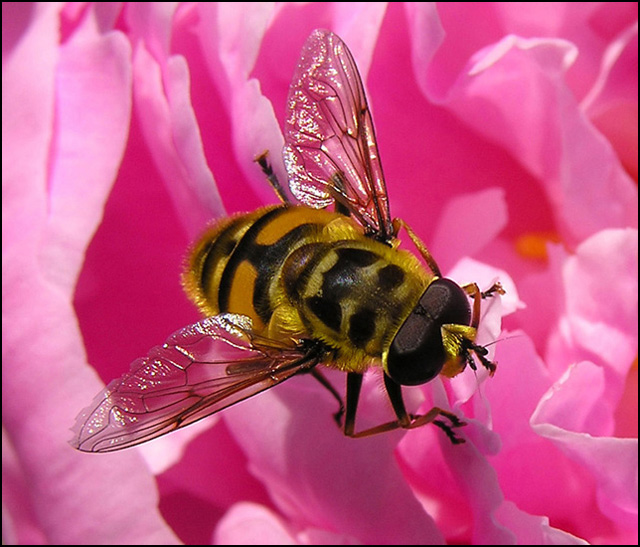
416,354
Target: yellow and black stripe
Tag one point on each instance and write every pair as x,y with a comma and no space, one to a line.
310,273
236,265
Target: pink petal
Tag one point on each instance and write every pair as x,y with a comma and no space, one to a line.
468,486
591,27
601,282
572,169
20,524
480,216
93,82
211,477
426,31
533,530
520,78
152,24
258,132
252,524
515,390
522,465
240,30
358,24
43,347
171,131
612,102
230,53
319,477
612,462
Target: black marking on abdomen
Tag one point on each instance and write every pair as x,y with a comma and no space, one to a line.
268,261
244,250
219,249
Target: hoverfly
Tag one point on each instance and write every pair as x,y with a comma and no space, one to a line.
292,286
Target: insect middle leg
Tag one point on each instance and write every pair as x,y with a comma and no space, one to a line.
404,419
398,223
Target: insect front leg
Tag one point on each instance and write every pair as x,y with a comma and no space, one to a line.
495,288
461,337
474,292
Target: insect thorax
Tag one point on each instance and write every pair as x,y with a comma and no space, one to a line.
307,273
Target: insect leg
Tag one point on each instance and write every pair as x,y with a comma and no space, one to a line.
404,420
495,288
407,421
264,164
474,292
338,194
431,262
354,384
394,390
323,380
448,429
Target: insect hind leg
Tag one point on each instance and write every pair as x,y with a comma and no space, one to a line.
323,380
264,164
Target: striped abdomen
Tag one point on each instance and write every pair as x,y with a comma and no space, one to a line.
307,273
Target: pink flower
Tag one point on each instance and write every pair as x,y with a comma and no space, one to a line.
508,134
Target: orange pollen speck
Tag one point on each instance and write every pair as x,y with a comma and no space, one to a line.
533,245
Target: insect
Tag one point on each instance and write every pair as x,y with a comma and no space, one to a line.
292,286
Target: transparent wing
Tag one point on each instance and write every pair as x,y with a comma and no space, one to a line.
199,370
331,153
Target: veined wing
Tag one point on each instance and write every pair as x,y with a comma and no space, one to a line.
198,371
331,153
